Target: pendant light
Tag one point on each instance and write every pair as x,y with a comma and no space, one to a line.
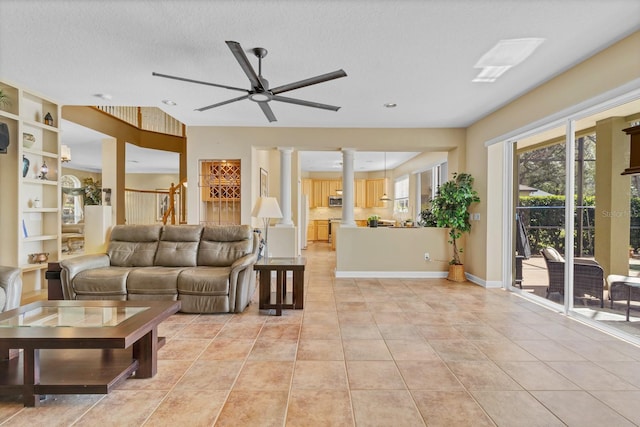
384,197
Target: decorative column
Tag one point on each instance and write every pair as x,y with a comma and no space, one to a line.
612,223
285,187
348,196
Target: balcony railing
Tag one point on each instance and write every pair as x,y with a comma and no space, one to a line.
146,118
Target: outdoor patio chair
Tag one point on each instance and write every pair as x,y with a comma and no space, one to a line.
588,276
620,292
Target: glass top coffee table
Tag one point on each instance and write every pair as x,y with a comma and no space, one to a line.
78,347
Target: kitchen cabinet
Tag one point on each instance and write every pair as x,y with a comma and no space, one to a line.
311,232
307,187
320,194
360,187
375,190
322,189
31,214
322,229
335,186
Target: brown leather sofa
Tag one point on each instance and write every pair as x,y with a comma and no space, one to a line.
10,288
209,269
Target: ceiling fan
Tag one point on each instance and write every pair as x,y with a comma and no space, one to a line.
260,91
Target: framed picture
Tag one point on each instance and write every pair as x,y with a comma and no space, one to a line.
264,183
162,204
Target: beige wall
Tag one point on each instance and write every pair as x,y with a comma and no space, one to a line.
607,70
248,144
398,252
150,181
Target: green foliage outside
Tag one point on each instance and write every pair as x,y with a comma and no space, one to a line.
544,221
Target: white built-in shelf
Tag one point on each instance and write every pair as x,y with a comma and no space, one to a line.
40,210
40,125
39,181
39,152
33,267
8,115
41,238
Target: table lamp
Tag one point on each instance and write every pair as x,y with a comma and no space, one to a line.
266,208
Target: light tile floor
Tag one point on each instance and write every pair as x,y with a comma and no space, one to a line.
371,352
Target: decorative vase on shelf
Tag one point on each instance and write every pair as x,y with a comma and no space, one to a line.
28,140
25,166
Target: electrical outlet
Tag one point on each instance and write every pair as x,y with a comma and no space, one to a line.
476,217
427,257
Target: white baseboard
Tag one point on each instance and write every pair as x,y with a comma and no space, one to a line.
391,274
482,282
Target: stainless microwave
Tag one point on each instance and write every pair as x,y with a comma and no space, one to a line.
335,201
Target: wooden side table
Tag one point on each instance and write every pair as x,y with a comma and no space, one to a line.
294,300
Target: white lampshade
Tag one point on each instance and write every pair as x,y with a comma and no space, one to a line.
267,207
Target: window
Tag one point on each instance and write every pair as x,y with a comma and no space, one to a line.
72,199
401,195
430,180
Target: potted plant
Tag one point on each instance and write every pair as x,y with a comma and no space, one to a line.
427,219
4,99
372,221
450,209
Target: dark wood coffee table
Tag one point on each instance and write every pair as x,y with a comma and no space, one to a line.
78,347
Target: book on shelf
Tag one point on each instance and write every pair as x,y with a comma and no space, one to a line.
24,229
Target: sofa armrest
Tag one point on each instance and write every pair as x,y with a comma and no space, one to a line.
11,282
240,282
72,266
583,261
244,262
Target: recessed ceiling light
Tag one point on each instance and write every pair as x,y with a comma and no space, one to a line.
504,55
169,102
390,105
104,96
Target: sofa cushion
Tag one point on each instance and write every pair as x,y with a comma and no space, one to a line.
204,281
178,246
222,245
133,245
101,281
3,299
153,280
181,233
552,255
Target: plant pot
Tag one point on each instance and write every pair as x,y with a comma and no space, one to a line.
456,273
373,223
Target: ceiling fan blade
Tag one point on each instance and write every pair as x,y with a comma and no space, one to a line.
308,82
267,111
237,51
305,103
229,101
198,81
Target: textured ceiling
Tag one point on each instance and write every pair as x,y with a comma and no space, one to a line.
418,54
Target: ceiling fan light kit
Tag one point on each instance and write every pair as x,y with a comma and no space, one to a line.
260,91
